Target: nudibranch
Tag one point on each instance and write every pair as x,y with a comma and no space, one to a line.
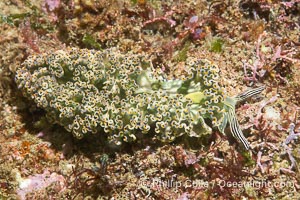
89,91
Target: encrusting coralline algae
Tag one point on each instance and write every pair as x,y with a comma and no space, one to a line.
87,91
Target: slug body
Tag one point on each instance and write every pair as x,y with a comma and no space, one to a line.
87,91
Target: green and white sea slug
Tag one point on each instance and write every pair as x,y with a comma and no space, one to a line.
89,91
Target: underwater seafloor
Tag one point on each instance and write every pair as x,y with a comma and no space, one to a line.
253,42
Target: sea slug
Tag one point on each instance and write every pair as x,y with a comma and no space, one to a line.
89,91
